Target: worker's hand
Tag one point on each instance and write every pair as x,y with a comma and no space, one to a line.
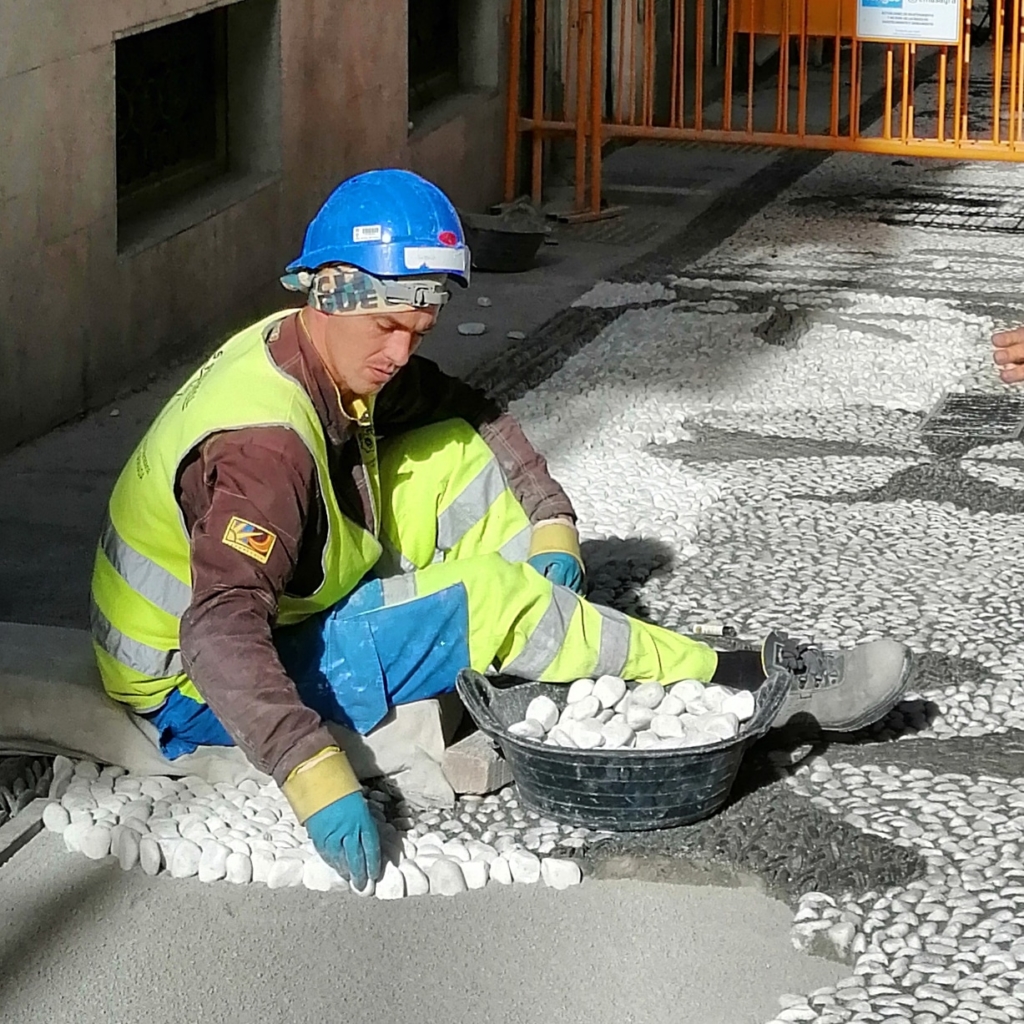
1009,355
555,553
346,837
326,797
560,568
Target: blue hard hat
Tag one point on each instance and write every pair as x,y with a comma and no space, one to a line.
390,223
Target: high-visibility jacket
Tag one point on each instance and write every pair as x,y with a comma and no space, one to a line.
141,584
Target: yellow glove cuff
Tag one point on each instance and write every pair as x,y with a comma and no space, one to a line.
320,781
557,536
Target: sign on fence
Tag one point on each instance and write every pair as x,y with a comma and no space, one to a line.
910,21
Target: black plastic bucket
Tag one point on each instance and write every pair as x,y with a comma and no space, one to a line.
501,245
620,790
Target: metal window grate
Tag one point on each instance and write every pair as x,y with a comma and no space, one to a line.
171,88
433,52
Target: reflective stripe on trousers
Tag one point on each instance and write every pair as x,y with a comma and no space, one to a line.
556,635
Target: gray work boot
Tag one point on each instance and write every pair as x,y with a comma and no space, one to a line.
840,691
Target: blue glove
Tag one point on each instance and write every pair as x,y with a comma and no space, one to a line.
346,837
560,568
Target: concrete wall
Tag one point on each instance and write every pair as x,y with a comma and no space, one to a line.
80,319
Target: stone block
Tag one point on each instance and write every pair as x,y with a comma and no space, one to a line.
474,765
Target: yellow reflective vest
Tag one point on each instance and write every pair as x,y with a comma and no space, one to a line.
141,584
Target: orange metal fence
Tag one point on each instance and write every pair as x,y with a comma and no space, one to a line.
774,72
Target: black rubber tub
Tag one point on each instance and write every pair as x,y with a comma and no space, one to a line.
502,245
620,790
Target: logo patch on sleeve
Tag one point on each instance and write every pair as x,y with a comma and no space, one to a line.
250,539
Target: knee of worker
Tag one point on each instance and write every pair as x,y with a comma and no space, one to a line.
444,496
436,448
488,578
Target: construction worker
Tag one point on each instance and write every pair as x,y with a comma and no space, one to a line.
320,525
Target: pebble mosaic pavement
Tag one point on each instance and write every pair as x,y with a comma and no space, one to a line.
765,403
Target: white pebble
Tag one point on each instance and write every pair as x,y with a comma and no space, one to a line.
472,329
562,738
416,882
588,734
525,866
725,726
714,696
665,726
580,689
86,770
687,690
500,870
128,849
671,705
481,851
455,850
617,734
476,873
559,873
55,818
150,856
740,704
286,872
263,863
238,869
646,740
446,878
649,695
184,861
543,710
638,717
609,690
528,729
319,876
213,862
582,709
391,885
95,842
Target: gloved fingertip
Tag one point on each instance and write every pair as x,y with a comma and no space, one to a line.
373,863
356,861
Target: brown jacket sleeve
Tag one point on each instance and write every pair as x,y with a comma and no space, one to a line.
421,393
266,477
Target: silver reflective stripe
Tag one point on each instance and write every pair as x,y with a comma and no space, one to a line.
615,636
518,548
547,639
140,657
470,506
144,576
399,589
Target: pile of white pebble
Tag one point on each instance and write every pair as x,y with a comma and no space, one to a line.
606,713
248,833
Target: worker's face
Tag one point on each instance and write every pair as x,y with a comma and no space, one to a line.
362,353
